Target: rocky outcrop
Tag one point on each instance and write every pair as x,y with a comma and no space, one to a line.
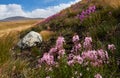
31,39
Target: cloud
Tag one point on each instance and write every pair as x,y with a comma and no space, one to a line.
16,10
11,10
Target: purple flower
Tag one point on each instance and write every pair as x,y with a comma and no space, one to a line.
102,54
75,38
87,43
75,59
86,13
78,59
70,62
59,42
83,12
70,56
53,50
47,58
77,45
111,47
82,17
61,52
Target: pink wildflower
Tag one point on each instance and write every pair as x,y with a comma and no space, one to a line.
87,43
106,54
48,77
70,62
94,63
83,12
53,50
77,45
91,55
70,56
59,42
111,47
84,55
76,48
47,58
86,13
75,59
61,52
88,39
98,76
75,38
102,54
78,59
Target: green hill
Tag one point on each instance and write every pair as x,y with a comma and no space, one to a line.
102,25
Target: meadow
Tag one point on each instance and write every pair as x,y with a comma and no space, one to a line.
85,44
16,26
13,24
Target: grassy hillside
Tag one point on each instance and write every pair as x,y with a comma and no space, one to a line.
96,20
13,24
102,25
16,26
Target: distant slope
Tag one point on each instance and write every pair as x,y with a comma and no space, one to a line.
16,26
17,18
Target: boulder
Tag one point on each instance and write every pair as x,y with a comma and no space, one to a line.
31,39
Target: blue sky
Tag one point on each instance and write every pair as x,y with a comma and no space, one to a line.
32,8
29,5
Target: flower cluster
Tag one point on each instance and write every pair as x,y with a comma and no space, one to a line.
87,56
96,58
80,55
58,50
86,13
47,58
87,43
77,46
59,42
75,59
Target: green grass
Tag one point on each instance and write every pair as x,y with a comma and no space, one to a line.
6,44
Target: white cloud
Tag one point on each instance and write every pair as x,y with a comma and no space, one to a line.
11,10
16,10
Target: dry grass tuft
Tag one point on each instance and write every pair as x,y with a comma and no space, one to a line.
46,34
112,3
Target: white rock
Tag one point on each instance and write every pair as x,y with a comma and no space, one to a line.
30,40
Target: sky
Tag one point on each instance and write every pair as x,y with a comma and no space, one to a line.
33,8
